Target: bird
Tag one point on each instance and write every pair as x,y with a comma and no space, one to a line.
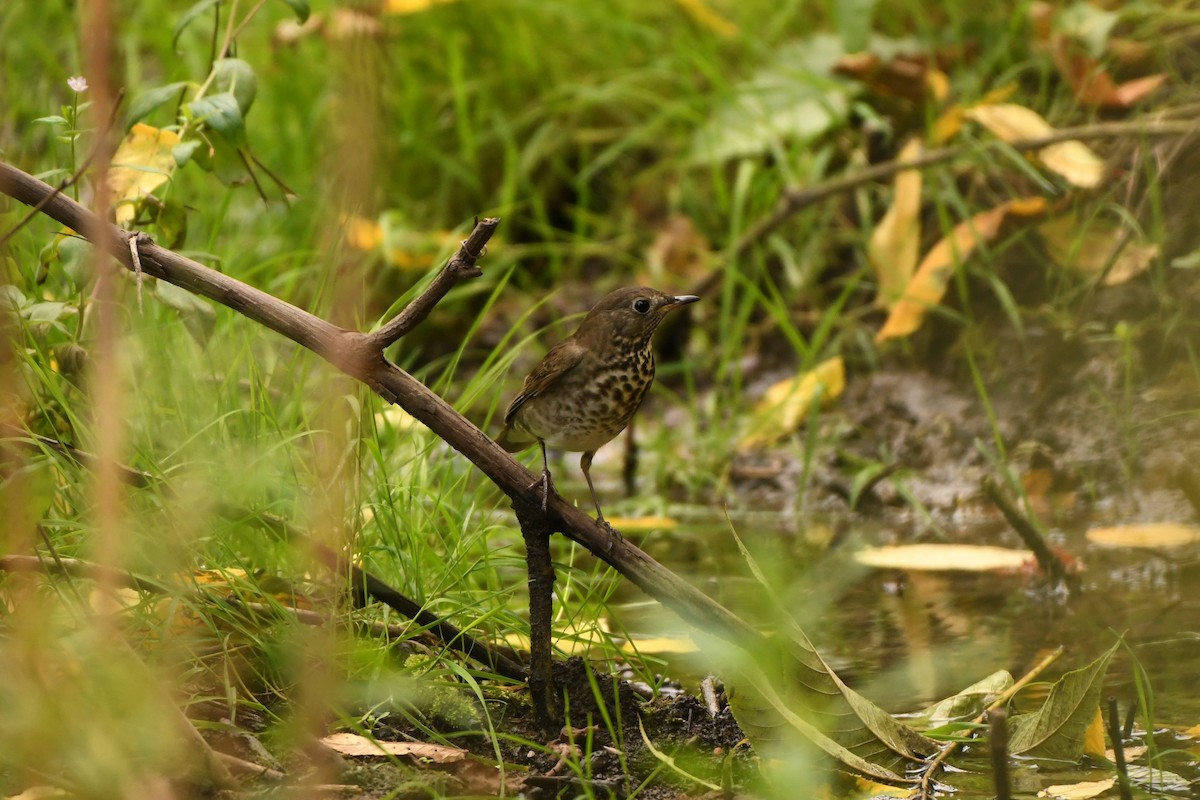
588,387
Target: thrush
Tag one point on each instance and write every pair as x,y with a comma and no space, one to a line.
588,387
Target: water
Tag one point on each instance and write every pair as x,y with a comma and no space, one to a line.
907,639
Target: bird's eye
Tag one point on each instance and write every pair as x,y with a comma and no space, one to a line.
641,305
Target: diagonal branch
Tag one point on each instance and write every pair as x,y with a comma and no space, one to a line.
361,356
462,265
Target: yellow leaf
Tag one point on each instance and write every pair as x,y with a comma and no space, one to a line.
928,285
661,645
401,7
787,404
943,558
1093,739
1092,247
142,163
893,249
874,789
1078,791
1147,534
362,233
1073,160
938,84
708,18
642,523
351,744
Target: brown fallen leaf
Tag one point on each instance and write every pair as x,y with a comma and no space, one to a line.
929,283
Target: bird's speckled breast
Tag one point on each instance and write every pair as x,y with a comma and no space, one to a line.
581,414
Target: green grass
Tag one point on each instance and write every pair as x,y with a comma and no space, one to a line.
573,121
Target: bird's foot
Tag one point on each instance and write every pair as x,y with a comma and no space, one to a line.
614,535
547,484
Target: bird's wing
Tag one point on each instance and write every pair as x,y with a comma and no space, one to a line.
561,359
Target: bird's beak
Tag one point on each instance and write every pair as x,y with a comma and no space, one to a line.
681,300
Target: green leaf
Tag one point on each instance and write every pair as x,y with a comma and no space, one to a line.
1056,730
12,297
222,114
182,152
189,16
148,101
47,312
794,98
966,704
52,120
1088,24
237,77
299,8
170,223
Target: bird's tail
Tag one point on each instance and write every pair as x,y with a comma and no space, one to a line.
512,441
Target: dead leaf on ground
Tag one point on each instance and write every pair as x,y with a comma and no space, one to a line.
1096,249
351,744
1073,160
896,240
1076,38
662,645
638,524
142,163
929,283
1078,791
788,403
1146,534
943,557
912,77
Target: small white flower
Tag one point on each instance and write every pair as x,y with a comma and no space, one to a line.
78,83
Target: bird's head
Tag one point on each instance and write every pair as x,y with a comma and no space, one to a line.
632,313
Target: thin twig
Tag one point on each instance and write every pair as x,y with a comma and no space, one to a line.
461,265
998,748
1114,733
1050,563
504,663
81,569
244,767
796,199
934,765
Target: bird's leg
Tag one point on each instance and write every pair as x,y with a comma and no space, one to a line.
585,463
547,482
